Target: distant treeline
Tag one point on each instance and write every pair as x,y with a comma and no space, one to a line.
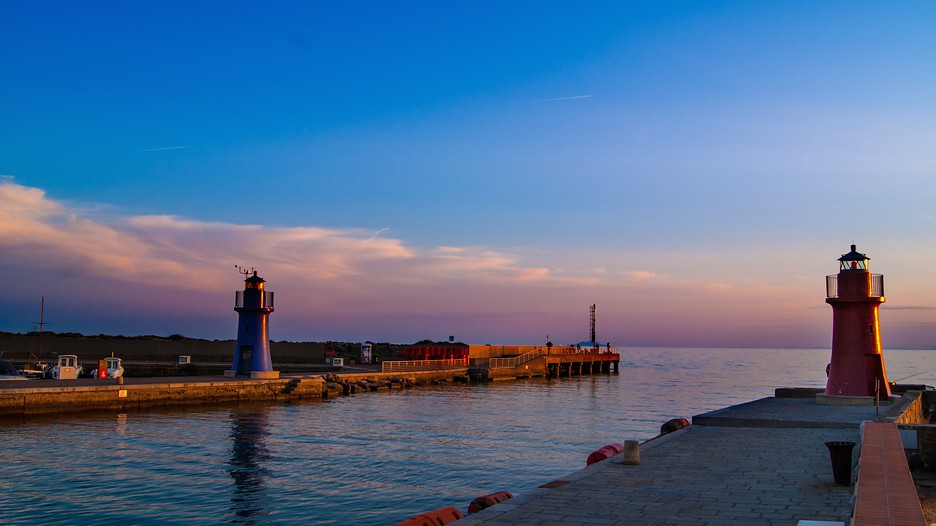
30,346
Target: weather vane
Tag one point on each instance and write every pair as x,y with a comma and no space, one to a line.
244,270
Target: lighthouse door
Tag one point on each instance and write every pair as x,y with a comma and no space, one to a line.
246,358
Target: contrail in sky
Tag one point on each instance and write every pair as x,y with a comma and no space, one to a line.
377,233
566,98
167,148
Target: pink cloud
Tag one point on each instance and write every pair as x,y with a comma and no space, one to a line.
164,274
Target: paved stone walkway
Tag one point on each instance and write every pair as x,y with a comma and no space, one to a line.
705,475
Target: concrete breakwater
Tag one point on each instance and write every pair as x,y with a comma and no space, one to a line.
37,397
762,462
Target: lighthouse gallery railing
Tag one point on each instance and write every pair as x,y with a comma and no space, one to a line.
877,286
239,299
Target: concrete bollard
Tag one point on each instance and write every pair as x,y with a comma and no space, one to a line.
631,455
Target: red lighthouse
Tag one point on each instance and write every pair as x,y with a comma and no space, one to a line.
857,363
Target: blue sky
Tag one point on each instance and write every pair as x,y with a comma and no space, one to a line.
408,170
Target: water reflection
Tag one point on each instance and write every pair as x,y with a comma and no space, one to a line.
121,424
248,466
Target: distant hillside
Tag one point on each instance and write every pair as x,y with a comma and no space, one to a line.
15,346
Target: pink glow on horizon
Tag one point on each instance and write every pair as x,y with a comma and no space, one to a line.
164,274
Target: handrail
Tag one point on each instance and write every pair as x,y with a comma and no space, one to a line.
876,289
496,363
400,366
514,361
267,301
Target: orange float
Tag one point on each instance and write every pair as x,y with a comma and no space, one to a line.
486,501
606,452
673,425
437,517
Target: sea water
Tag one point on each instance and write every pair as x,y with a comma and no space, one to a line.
374,458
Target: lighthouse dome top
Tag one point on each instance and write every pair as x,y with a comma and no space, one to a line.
254,282
854,260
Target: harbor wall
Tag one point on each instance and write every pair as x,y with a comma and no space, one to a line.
91,395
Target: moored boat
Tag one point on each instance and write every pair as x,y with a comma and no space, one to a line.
8,372
114,368
67,368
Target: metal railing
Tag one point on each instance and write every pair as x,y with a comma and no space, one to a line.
403,366
514,361
400,366
495,363
876,290
239,299
575,349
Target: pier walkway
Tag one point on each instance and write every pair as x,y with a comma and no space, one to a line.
764,462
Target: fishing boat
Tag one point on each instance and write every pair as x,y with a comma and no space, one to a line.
67,368
37,369
114,369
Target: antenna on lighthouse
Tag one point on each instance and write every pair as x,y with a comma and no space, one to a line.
245,271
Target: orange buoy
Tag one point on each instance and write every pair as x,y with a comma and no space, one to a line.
437,517
606,452
673,425
486,501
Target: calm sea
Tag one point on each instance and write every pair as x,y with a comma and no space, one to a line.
375,458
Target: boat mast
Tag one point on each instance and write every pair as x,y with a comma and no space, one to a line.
41,323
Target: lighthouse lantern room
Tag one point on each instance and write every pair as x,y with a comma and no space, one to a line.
857,365
252,352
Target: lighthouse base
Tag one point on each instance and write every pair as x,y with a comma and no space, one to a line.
824,399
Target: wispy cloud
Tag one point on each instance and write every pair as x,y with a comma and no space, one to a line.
162,249
557,99
167,148
380,231
642,275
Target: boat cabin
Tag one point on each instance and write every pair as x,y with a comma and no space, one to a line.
67,368
110,367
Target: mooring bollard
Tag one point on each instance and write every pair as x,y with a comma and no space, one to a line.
631,453
841,455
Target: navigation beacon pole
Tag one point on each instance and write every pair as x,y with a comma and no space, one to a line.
857,366
252,353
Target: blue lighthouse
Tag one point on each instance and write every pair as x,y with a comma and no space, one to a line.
252,354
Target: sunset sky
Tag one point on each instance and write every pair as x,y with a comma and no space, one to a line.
488,170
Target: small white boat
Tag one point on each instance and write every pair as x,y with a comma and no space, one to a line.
67,368
114,369
35,370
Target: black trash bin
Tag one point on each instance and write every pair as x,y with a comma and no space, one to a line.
841,454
